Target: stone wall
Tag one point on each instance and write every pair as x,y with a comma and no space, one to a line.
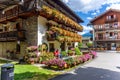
11,46
30,25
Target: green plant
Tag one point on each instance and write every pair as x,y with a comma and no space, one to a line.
89,44
80,44
70,52
77,51
46,56
39,48
69,61
64,54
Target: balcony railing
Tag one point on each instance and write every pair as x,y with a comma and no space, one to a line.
111,20
18,11
107,28
12,35
113,38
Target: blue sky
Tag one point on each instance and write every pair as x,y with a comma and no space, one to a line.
88,9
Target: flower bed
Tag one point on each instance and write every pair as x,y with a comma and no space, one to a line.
59,63
70,61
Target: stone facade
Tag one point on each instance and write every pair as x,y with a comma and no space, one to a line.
30,25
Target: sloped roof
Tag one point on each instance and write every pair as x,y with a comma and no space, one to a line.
7,3
113,10
64,6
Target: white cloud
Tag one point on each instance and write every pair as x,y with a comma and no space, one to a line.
114,6
94,13
89,18
89,5
98,11
112,1
87,28
81,33
66,1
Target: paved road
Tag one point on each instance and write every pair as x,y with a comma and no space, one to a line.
105,67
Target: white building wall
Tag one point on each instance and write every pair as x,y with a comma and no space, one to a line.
41,30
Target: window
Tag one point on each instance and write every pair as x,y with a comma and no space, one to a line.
106,25
112,16
110,25
100,36
111,33
18,47
107,17
62,46
51,47
115,24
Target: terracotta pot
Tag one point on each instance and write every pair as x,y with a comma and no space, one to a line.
65,66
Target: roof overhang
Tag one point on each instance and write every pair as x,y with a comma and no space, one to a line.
110,10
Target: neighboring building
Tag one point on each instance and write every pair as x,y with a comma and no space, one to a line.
107,29
35,22
87,37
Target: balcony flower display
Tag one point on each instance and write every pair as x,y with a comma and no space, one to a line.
32,48
65,32
59,17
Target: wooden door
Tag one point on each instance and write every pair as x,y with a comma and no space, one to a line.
109,46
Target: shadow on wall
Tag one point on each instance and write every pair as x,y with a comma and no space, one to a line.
90,73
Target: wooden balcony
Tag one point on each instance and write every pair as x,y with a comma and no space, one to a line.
107,28
12,36
18,11
111,20
113,38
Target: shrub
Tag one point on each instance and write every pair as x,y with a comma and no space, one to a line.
64,54
32,48
70,52
69,61
80,44
77,51
89,44
46,56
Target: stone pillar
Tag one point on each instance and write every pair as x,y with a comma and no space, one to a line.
30,25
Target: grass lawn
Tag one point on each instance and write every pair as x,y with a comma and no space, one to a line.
30,72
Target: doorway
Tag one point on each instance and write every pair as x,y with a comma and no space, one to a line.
108,46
